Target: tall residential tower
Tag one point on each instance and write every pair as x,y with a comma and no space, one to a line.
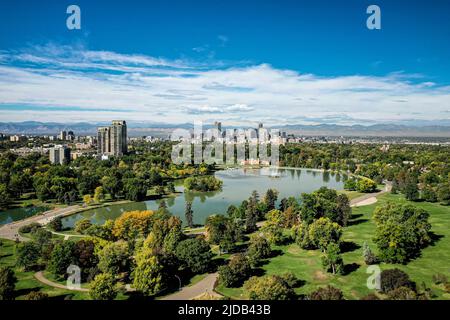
112,140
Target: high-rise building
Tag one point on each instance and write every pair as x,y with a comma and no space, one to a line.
218,125
62,135
59,155
112,140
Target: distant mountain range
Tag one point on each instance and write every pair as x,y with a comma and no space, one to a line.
163,129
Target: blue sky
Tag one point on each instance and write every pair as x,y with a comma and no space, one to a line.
235,61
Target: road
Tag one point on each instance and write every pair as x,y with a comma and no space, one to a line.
40,277
205,285
370,197
11,231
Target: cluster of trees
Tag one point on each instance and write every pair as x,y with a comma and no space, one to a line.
128,177
363,184
401,232
323,214
203,184
419,171
146,248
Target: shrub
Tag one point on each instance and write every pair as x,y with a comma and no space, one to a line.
392,279
402,293
82,225
440,278
237,270
369,257
327,293
56,224
8,282
36,295
370,296
29,227
103,287
268,288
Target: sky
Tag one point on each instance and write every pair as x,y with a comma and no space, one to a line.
239,62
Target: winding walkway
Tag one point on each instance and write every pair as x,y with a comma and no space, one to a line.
11,230
369,198
205,285
40,277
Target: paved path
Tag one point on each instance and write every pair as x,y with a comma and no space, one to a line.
205,285
367,198
11,230
40,277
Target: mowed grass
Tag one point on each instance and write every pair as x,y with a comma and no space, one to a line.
306,264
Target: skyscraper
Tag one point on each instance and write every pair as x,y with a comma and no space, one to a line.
59,155
112,140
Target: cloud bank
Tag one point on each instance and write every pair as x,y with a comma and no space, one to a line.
72,84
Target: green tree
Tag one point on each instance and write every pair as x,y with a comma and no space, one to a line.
5,197
99,194
28,255
56,224
148,274
271,198
114,258
366,185
258,249
103,287
332,259
8,282
61,258
268,287
401,231
322,232
411,191
237,271
82,225
189,214
194,254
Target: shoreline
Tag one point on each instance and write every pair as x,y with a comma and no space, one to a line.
45,217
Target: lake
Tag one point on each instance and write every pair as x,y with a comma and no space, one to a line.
238,185
16,214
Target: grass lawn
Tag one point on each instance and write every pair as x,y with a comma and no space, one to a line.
26,281
306,264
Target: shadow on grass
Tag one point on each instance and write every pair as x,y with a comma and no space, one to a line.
356,222
434,238
349,268
22,292
348,246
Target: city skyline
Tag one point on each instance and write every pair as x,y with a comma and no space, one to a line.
234,65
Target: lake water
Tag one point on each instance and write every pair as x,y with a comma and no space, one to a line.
20,214
238,185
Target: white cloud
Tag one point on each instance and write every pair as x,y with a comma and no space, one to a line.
163,90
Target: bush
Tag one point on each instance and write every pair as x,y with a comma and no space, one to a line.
290,279
327,293
36,295
440,278
103,287
370,296
402,293
237,270
82,225
29,227
8,282
56,224
268,288
392,279
369,257
366,185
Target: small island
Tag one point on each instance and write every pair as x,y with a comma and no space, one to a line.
203,184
